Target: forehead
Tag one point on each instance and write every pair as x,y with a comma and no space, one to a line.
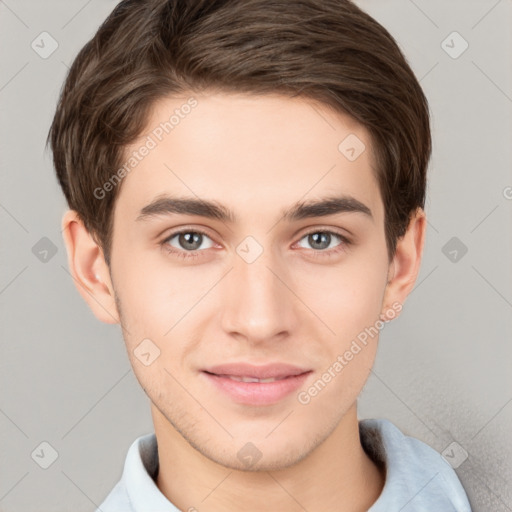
253,153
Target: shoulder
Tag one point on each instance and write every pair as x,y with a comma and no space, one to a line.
418,478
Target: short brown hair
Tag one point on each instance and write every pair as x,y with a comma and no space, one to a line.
326,50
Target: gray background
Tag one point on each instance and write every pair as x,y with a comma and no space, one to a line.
443,369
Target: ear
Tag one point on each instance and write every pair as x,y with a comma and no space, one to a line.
89,269
404,268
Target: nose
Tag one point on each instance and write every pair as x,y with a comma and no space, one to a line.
258,300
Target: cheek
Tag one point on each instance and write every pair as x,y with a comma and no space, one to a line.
155,296
347,297
350,305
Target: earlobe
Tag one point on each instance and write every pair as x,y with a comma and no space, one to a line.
404,268
88,268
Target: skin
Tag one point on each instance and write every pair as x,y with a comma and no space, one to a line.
256,155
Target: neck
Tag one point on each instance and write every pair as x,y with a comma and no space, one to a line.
337,476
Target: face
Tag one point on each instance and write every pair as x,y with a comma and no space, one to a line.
266,280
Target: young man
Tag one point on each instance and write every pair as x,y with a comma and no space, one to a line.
246,182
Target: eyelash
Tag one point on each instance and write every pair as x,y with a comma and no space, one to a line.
345,242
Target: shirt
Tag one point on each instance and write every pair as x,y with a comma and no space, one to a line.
418,479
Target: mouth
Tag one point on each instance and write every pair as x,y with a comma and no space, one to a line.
250,379
245,370
253,390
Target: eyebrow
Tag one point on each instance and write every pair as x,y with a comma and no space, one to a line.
168,205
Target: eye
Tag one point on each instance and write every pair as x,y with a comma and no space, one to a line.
188,242
321,241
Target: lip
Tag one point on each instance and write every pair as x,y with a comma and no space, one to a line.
256,393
